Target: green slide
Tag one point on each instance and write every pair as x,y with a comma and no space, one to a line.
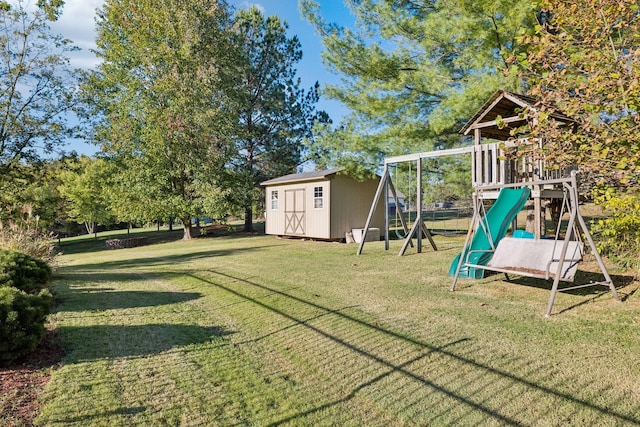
497,219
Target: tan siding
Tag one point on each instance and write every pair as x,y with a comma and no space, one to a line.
318,218
274,219
350,205
314,222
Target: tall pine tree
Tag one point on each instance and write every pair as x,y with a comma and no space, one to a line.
413,71
274,114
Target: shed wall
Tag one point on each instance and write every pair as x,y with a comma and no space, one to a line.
296,214
319,218
350,204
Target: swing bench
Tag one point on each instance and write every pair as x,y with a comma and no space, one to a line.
550,259
536,258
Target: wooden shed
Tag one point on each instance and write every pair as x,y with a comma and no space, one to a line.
319,205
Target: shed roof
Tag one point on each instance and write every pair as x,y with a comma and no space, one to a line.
298,177
506,105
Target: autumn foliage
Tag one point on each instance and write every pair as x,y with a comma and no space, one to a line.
584,60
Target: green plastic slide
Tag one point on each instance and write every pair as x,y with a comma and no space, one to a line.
497,220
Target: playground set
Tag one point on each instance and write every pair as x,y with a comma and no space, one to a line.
509,184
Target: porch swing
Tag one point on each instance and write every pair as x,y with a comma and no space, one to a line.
547,259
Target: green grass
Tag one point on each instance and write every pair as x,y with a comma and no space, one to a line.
254,330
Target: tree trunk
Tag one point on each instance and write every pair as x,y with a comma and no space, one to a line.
533,222
186,225
89,226
197,227
555,207
248,219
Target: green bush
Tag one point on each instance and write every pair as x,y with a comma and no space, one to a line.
618,234
22,319
23,271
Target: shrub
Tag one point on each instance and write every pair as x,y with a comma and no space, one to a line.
22,319
619,234
23,271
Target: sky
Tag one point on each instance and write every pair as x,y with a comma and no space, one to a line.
77,23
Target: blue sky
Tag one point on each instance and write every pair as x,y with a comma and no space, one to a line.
78,20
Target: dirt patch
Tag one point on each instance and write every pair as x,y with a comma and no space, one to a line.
22,383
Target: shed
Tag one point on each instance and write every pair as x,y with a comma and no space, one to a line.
319,205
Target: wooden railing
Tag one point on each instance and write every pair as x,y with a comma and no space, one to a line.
491,166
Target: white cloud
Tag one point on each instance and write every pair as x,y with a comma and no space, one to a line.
77,23
247,4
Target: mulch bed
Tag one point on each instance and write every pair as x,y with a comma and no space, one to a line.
22,383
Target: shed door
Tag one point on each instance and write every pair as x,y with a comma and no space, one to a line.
294,211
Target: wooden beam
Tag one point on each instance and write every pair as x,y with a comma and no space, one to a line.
427,155
511,119
381,187
486,110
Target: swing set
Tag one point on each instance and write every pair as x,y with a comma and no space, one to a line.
418,228
445,219
510,183
405,204
487,247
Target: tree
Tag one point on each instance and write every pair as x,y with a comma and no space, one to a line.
31,191
37,87
158,103
86,194
274,113
130,197
413,71
585,61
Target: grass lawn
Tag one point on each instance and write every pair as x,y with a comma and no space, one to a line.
254,330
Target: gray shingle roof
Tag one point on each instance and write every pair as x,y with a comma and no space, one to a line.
297,177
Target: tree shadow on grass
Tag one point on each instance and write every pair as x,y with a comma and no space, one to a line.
122,411
84,279
112,300
460,385
99,342
161,260
91,244
153,237
77,293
